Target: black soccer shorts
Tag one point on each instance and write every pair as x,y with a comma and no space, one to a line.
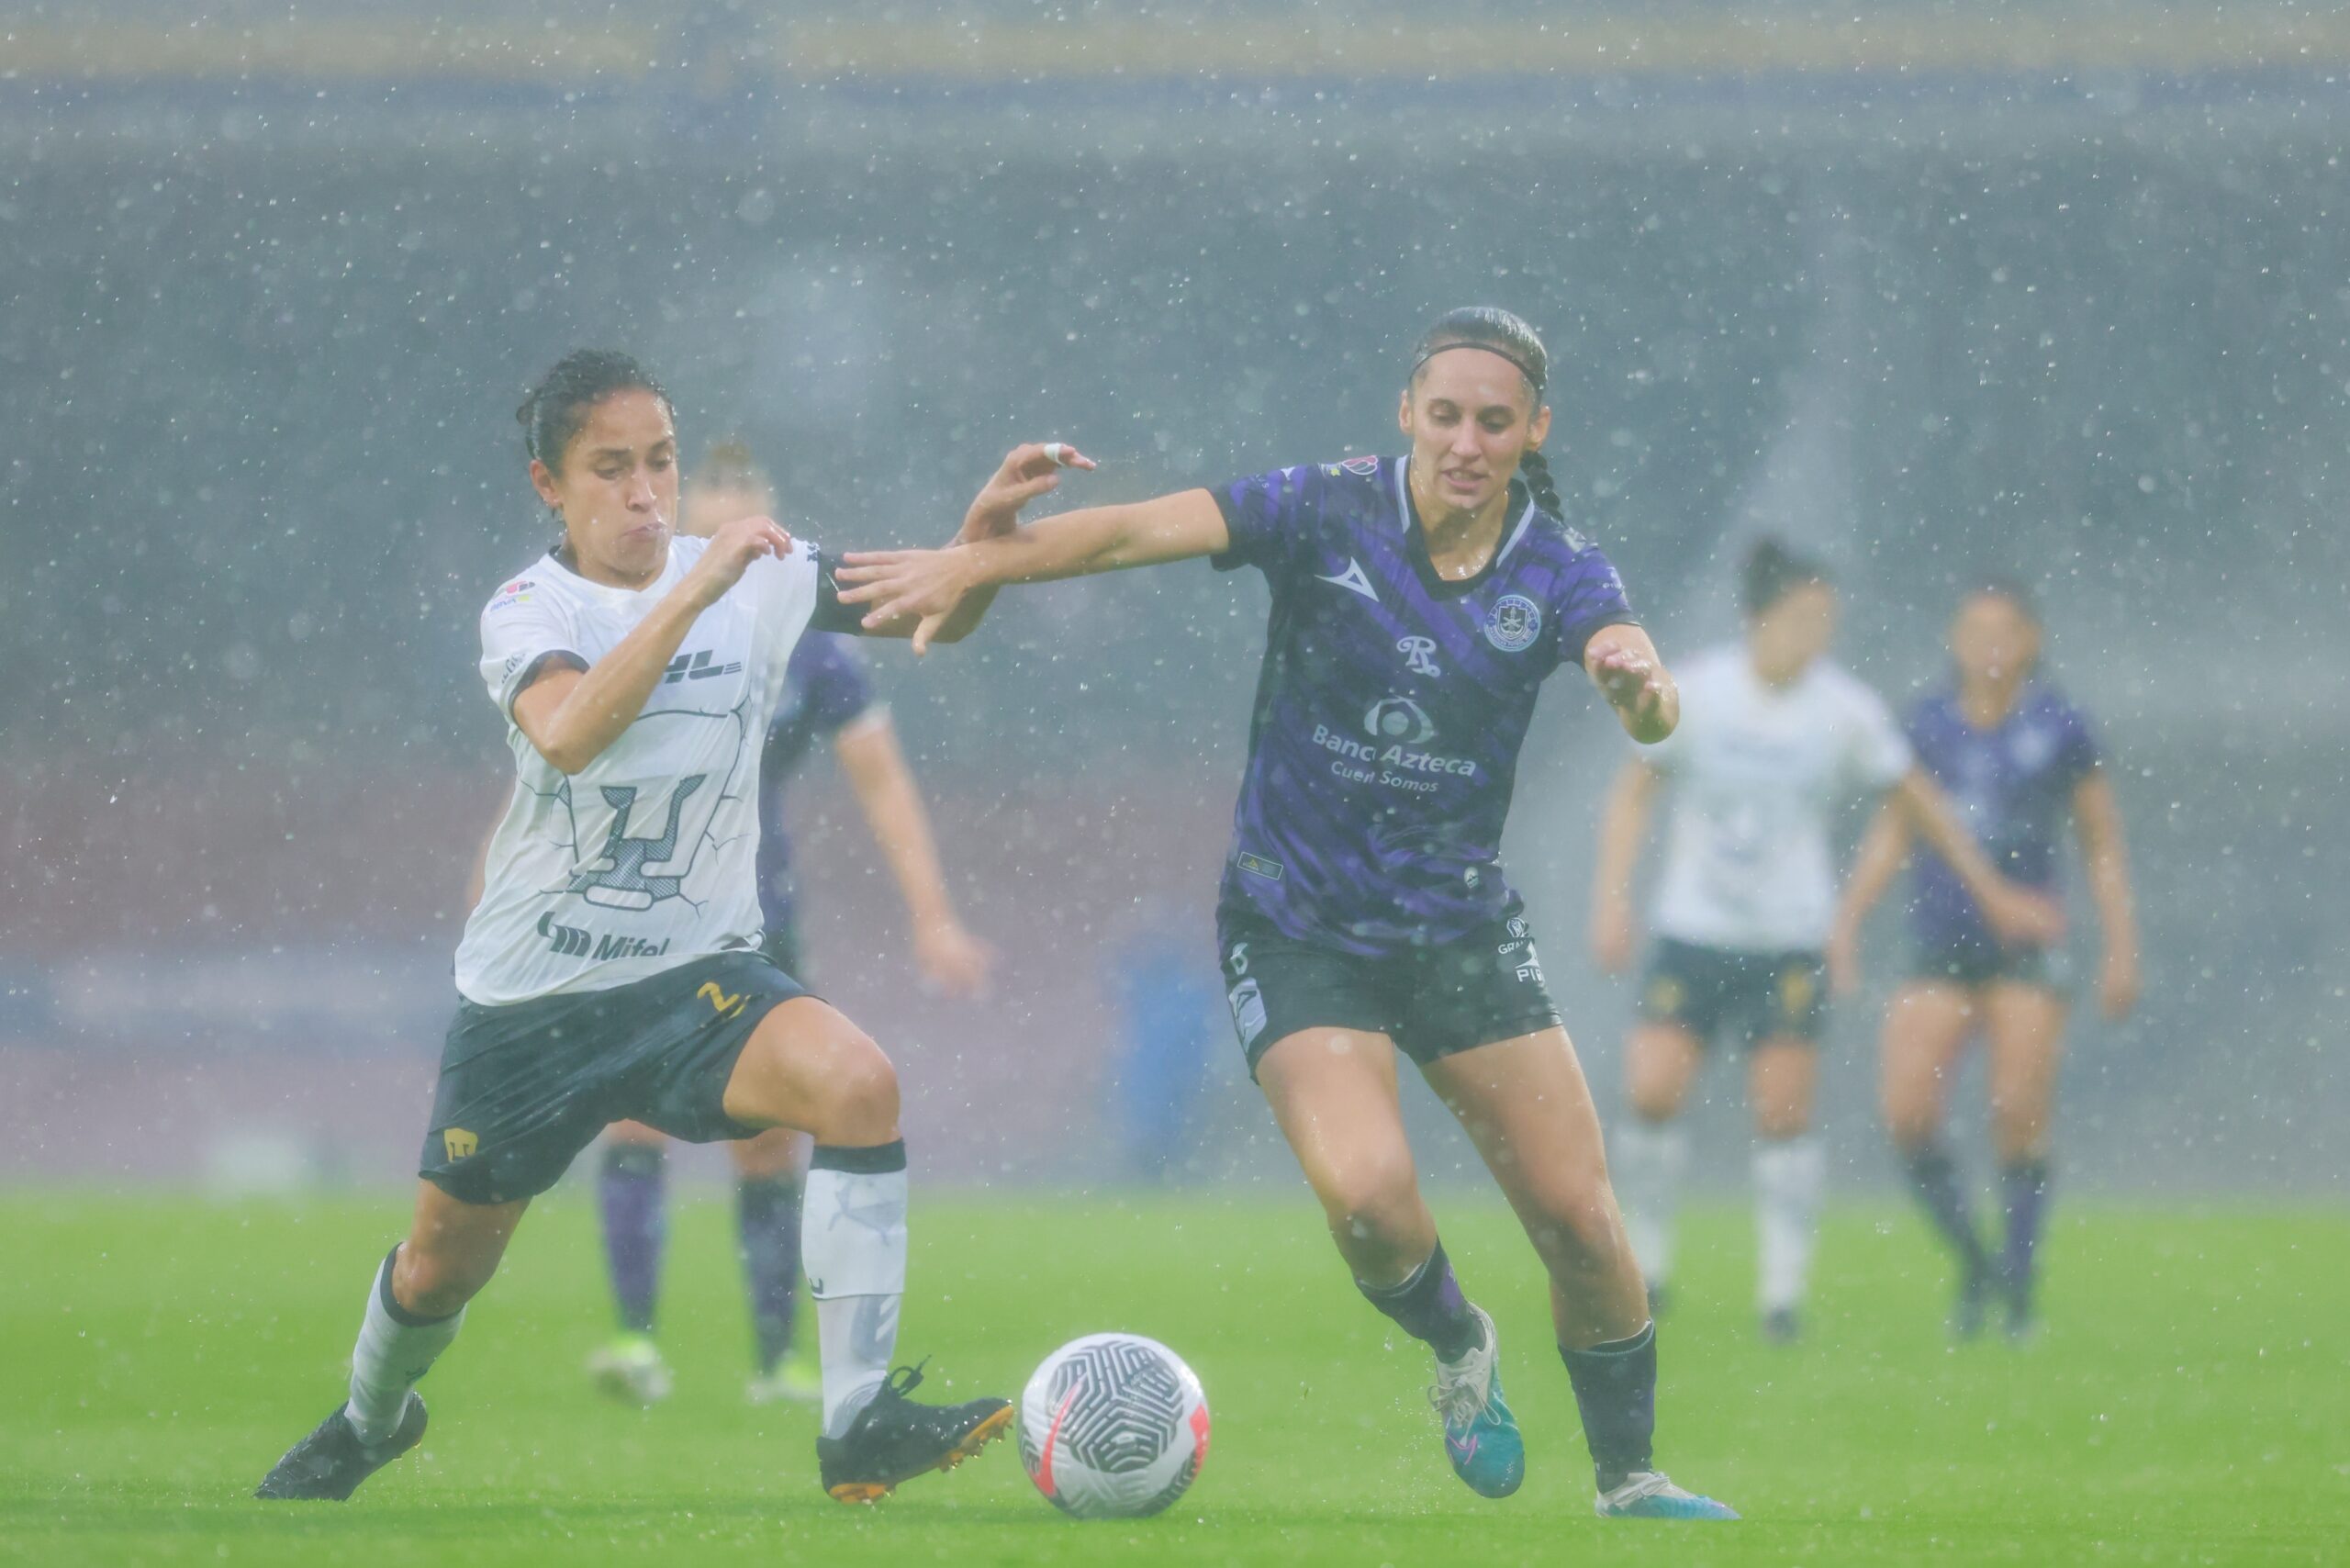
1433,1002
524,1088
1753,996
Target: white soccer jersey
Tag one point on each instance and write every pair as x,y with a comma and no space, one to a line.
642,859
1756,774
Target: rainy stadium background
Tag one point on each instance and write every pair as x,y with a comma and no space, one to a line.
2059,291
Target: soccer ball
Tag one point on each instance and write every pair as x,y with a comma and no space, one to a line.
1112,1426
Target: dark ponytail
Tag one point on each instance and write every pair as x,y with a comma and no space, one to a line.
1772,571
553,411
1496,331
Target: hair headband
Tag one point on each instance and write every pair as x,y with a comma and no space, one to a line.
1533,376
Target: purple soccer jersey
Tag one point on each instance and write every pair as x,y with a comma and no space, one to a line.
2011,785
827,688
1392,704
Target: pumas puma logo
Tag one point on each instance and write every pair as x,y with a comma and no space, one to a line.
725,1006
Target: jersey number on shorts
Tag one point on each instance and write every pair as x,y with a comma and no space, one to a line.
638,872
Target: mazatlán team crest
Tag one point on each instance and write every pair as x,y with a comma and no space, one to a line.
1517,621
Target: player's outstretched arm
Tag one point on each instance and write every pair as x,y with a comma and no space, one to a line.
2014,913
2097,819
932,586
572,714
950,956
1885,849
1623,828
1028,472
1625,666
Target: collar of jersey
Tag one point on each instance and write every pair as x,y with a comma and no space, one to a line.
1416,541
611,590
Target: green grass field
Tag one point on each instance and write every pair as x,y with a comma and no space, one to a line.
2189,1403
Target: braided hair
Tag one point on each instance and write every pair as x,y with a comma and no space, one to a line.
1496,331
553,410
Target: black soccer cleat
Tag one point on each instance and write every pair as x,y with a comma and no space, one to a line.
894,1439
328,1465
1782,1326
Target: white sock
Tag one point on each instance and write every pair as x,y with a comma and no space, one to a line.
853,1245
1790,1174
1646,1169
395,1348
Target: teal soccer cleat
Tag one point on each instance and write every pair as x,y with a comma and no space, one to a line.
1481,1436
1646,1495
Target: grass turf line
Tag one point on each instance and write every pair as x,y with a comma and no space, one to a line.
2185,1405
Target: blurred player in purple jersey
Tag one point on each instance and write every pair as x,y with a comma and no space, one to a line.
1418,603
1774,739
2015,757
828,696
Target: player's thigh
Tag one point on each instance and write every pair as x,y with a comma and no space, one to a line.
807,1067
2025,1027
1782,1082
1527,1106
778,1151
637,1133
1333,1094
1661,1065
1926,1027
451,1250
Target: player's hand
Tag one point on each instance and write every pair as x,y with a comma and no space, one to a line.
1843,957
923,586
1633,684
2118,984
1028,471
1611,936
952,959
729,553
2023,917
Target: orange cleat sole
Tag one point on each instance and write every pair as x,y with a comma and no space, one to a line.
977,1438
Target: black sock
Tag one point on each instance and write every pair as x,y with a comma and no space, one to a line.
767,1215
1933,1177
1429,1308
1616,1390
2023,1190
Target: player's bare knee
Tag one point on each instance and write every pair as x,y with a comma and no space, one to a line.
1372,1200
863,1096
1653,1098
434,1281
1782,1122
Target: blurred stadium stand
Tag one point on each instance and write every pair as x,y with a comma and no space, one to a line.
2055,290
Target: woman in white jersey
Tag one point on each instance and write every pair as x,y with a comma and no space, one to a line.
612,968
1774,740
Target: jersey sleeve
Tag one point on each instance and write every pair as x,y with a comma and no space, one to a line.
831,615
523,629
1591,596
1271,517
1876,754
832,681
2077,754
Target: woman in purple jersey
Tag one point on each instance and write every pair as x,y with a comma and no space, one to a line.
1418,603
2016,758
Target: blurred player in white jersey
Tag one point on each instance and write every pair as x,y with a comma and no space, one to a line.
1774,741
612,967
829,697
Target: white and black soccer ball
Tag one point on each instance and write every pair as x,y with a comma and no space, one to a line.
1112,1426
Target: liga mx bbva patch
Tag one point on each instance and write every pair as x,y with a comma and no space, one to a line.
1257,866
459,1143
